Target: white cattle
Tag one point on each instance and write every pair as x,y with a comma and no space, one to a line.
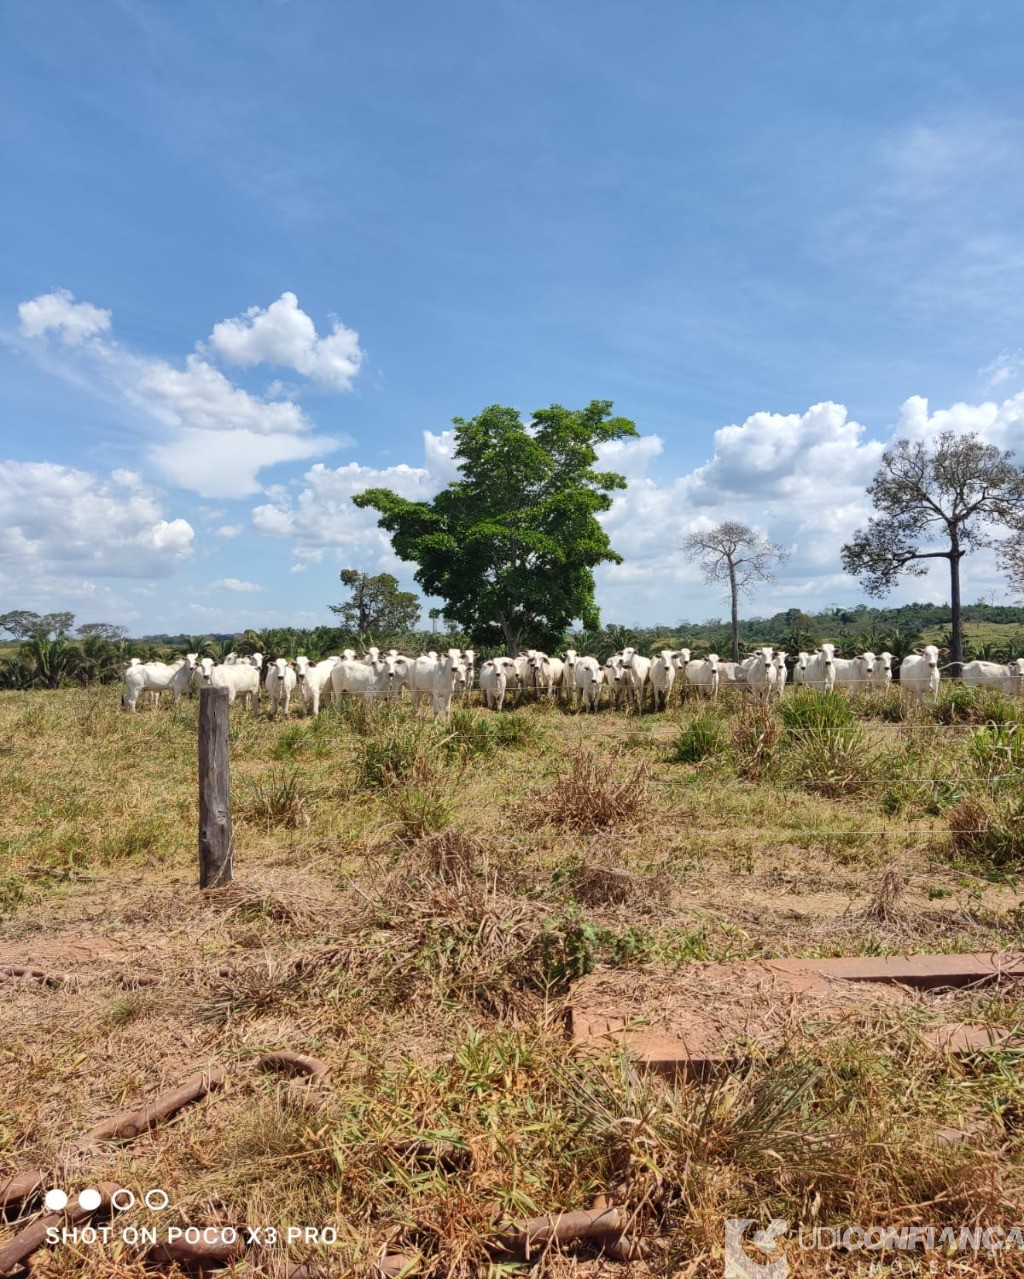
468,674
588,676
732,673
760,673
232,659
547,672
369,680
569,659
494,680
612,671
241,679
864,671
1004,678
420,676
663,676
445,681
845,674
881,676
281,683
919,672
314,680
779,662
800,668
635,676
157,677
703,675
820,671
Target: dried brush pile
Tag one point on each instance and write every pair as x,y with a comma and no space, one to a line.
589,798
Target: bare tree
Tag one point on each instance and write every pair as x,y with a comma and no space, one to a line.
736,554
936,503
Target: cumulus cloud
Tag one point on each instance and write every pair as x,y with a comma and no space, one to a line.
58,311
229,433
60,522
322,516
1006,367
283,334
236,585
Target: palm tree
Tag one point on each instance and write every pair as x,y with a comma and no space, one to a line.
51,662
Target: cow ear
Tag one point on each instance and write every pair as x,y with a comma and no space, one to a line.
919,650
943,650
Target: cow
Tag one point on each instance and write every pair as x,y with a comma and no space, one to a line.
547,673
612,671
495,675
881,676
281,683
314,680
781,672
663,676
445,680
864,671
820,671
635,676
569,659
994,675
241,679
369,680
157,677
703,674
760,674
919,672
589,676
800,669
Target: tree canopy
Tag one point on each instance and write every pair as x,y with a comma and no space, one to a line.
376,606
512,544
935,502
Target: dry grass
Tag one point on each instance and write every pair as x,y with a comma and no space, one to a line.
424,954
590,798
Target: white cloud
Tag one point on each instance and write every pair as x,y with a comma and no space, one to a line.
323,518
60,524
235,585
284,334
227,463
213,436
1008,366
230,530
73,321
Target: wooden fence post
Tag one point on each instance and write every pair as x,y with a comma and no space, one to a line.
215,841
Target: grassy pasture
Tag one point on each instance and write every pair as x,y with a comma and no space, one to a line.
411,904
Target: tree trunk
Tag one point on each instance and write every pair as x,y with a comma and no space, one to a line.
957,644
512,637
734,594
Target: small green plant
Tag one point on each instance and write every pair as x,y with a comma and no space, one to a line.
702,738
12,893
997,750
569,944
811,710
276,800
990,834
422,806
960,704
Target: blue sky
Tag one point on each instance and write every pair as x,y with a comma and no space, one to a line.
257,255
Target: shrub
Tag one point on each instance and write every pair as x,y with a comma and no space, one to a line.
423,806
812,709
754,741
275,800
998,749
586,799
830,760
702,737
887,705
470,733
959,704
389,749
991,834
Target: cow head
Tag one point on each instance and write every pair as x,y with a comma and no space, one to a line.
868,662
205,669
301,668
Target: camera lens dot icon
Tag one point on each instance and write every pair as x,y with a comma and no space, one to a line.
55,1200
90,1199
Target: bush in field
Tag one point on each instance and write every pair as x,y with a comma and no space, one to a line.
823,746
275,800
989,833
814,710
587,799
959,704
704,736
754,740
887,705
997,750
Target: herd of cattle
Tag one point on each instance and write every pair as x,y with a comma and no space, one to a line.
628,678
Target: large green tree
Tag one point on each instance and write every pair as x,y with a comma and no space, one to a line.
376,606
512,544
935,503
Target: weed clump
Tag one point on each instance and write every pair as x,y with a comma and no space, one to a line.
990,834
961,704
702,738
275,800
586,799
